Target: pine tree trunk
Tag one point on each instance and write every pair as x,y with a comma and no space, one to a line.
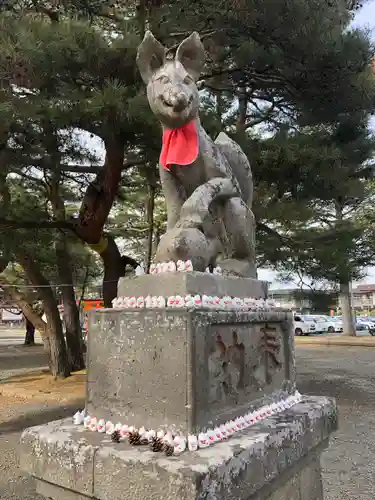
100,194
96,205
158,234
28,312
73,331
242,110
150,205
114,269
54,340
219,106
142,17
348,322
30,333
59,366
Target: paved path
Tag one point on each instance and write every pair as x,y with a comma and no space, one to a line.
359,333
15,416
16,359
15,336
329,340
348,466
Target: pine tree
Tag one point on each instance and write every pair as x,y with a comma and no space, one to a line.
35,250
320,227
287,66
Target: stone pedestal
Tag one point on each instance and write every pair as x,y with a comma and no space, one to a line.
276,460
186,371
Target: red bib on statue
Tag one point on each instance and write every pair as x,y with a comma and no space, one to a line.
180,146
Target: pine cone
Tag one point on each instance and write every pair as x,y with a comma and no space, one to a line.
168,449
134,438
115,436
157,444
144,441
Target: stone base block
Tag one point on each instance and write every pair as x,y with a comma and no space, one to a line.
186,370
275,460
53,492
179,283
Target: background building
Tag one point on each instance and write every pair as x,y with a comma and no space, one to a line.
290,298
363,300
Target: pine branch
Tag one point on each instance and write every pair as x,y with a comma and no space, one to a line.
30,224
273,232
52,14
202,36
107,13
94,169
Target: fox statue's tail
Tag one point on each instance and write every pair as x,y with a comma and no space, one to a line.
239,164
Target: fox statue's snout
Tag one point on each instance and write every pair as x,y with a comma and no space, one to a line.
177,101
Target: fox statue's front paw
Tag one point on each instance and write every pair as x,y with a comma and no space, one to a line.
240,268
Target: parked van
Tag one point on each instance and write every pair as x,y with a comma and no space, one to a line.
303,325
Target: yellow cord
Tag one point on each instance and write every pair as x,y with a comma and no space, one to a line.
101,246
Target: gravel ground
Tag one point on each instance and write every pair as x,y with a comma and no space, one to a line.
16,415
345,373
349,375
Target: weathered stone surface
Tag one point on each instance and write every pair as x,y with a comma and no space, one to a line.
52,454
259,463
186,369
300,480
290,490
311,484
179,283
53,492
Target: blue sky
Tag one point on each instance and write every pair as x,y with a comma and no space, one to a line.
365,18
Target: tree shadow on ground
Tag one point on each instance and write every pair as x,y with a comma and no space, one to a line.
340,388
32,360
40,416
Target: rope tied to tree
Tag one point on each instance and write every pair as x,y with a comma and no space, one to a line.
99,247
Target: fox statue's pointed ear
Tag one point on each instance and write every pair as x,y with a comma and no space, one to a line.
150,56
191,55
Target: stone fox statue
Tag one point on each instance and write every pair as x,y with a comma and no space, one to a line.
189,157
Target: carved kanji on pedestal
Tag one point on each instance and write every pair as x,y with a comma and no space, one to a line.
271,346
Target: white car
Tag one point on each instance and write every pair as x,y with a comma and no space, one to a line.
304,325
327,324
367,323
339,326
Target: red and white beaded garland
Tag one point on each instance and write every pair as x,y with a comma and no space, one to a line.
184,266
179,442
195,301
